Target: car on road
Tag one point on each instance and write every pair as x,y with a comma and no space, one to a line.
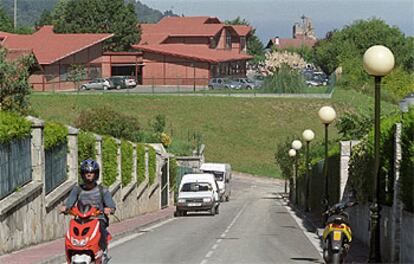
246,83
98,84
198,192
222,174
223,83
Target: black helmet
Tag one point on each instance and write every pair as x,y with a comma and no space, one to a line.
89,166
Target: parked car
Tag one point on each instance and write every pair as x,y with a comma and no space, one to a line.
245,83
119,82
198,192
130,81
222,83
98,84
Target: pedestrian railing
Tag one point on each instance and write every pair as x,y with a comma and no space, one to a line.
55,166
15,166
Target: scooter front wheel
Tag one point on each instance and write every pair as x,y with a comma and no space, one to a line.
336,258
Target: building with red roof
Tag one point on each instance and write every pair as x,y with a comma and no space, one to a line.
191,50
55,53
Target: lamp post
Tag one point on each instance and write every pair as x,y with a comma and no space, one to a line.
378,61
296,145
292,154
308,136
327,115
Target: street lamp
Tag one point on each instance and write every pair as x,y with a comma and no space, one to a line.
327,115
292,154
308,136
296,145
378,61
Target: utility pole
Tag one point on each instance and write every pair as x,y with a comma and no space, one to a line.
15,14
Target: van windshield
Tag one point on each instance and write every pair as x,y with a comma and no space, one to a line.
196,187
218,175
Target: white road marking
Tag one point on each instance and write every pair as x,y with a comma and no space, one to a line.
214,247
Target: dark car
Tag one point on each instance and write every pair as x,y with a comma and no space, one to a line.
118,82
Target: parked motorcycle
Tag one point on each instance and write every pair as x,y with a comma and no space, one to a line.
82,238
337,236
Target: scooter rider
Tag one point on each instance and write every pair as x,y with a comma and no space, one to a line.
92,194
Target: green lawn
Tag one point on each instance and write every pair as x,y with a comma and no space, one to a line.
241,131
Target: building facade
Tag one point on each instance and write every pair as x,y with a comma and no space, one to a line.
192,50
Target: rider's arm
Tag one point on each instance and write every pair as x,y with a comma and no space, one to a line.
73,196
108,201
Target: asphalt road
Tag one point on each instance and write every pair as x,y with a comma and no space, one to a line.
253,227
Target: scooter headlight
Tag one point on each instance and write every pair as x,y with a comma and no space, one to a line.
79,243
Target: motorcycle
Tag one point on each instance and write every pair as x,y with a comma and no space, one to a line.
82,237
337,235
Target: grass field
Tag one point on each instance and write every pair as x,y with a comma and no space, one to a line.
241,131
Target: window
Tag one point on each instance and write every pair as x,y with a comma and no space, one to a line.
63,72
196,187
228,39
213,43
243,43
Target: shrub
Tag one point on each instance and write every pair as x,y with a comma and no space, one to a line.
285,81
283,160
54,134
126,164
152,164
106,121
173,173
140,163
180,147
86,146
109,160
13,126
407,164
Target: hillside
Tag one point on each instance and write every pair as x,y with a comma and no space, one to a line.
29,11
241,131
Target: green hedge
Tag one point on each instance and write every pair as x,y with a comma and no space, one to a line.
152,164
173,173
54,134
140,163
109,160
13,126
362,163
407,164
126,164
86,146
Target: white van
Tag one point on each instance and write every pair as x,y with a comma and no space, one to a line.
222,173
198,192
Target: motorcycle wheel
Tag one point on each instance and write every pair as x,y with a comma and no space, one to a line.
336,258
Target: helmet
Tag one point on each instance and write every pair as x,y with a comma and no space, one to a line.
89,166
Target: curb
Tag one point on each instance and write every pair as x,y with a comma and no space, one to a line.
61,258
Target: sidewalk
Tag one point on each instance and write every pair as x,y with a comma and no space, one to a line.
358,252
53,251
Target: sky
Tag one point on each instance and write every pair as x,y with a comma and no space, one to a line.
276,17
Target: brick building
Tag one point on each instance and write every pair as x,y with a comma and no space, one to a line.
191,50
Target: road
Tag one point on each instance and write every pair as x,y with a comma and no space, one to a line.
253,227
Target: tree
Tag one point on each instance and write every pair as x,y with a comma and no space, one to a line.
14,85
76,74
98,16
6,23
254,45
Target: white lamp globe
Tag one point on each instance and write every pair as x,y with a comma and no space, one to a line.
296,144
292,153
308,135
378,60
327,114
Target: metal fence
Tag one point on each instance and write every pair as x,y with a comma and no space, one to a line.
15,165
55,166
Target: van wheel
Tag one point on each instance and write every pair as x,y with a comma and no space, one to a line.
177,213
213,210
227,198
210,87
217,209
184,213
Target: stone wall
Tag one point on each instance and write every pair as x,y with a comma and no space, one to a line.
29,216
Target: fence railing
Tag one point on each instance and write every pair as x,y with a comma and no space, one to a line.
15,165
55,166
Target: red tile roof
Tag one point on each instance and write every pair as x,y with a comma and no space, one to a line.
242,30
14,54
50,47
196,52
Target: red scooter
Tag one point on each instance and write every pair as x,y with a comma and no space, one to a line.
82,238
